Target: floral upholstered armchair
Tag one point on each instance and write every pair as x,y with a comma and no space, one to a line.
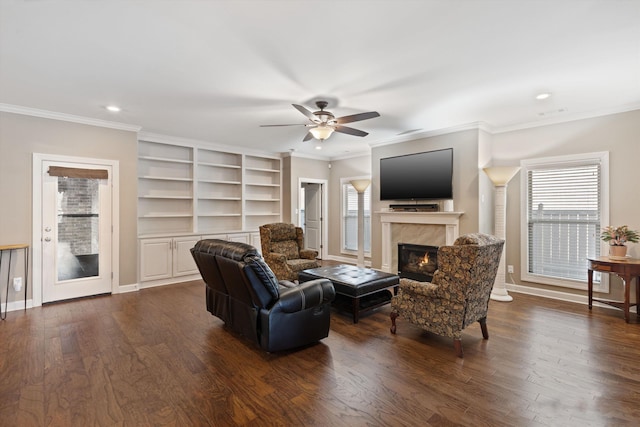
458,294
283,250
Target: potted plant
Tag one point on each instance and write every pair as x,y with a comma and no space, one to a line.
617,237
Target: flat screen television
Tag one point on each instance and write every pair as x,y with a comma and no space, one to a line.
419,176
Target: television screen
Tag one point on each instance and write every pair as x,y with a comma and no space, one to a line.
420,176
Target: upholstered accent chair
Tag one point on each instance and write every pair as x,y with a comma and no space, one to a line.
244,293
283,249
458,294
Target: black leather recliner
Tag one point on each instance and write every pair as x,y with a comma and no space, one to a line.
242,290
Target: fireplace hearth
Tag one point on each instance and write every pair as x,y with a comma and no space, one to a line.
417,262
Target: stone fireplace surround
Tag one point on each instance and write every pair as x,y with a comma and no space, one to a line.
421,228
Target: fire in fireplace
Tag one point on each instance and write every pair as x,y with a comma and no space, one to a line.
417,262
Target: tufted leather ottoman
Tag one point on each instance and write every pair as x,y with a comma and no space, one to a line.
364,288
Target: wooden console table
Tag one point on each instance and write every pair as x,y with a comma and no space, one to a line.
626,269
11,249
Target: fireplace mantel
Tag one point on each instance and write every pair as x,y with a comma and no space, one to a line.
449,220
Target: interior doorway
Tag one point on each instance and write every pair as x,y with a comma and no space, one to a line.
312,213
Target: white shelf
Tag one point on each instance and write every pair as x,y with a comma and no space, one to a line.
166,215
164,159
219,165
259,184
166,197
218,215
262,170
214,181
219,198
164,178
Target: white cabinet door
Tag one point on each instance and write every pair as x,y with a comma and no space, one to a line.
183,263
254,240
156,259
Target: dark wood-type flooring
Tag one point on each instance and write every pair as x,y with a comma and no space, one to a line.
157,357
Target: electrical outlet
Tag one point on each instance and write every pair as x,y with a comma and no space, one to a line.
17,284
509,268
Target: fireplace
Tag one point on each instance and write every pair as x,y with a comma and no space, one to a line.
417,262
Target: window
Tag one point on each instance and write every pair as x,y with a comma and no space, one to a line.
349,222
566,206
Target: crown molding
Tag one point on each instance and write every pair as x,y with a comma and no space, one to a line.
306,156
568,118
436,132
45,114
353,155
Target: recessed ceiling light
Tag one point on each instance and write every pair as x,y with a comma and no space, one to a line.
113,108
543,95
318,147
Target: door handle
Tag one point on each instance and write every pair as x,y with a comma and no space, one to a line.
47,239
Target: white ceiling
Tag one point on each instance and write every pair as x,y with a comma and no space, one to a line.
216,70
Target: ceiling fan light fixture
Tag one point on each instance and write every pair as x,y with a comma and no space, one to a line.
321,132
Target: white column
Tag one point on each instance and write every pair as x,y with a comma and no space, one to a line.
386,247
499,291
500,176
360,185
360,228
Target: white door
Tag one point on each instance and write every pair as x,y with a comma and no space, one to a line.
76,230
313,217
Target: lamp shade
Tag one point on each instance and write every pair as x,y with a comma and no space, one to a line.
321,132
360,184
501,175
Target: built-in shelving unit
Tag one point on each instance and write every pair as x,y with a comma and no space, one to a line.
187,192
186,188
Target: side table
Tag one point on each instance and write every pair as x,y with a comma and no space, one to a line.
626,269
11,249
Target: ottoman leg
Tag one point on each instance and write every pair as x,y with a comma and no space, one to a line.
355,305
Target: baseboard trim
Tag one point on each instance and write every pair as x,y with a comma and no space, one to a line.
171,281
18,305
134,287
558,295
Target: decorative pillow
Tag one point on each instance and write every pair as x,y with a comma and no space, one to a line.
264,273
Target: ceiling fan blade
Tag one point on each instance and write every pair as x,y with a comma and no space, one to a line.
270,126
350,131
357,117
307,137
306,112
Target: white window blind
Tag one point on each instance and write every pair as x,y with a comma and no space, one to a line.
350,218
564,218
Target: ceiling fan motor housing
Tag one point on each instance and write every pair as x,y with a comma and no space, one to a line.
324,116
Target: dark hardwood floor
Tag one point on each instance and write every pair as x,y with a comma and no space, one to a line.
157,357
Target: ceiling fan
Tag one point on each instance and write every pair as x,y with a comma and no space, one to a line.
324,123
